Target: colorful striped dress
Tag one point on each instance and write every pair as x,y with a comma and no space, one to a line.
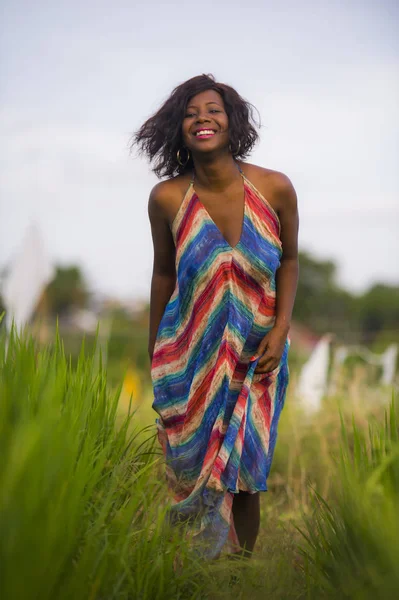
217,418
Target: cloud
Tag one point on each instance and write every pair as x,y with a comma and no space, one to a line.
324,78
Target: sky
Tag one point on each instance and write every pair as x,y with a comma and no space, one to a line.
77,78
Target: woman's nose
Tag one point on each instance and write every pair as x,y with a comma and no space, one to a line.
202,118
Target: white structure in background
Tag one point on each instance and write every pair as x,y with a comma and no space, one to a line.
313,381
388,363
312,384
386,360
85,320
30,272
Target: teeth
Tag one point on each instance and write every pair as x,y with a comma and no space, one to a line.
205,132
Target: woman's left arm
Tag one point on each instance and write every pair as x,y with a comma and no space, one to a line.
272,346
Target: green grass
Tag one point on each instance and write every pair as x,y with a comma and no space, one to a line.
352,545
83,502
82,515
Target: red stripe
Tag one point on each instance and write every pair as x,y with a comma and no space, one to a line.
199,312
262,210
198,397
264,404
185,223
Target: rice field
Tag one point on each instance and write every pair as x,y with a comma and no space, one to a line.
83,504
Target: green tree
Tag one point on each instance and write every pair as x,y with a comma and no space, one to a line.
321,303
129,339
66,291
378,311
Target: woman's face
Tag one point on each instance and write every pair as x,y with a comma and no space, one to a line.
206,125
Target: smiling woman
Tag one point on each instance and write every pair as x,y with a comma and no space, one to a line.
223,288
161,140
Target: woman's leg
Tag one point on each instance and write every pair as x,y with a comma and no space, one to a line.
246,515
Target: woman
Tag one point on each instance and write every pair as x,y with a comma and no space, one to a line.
223,288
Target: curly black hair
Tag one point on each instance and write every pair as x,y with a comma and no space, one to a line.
160,137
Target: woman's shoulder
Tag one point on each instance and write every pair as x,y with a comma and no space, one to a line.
275,186
264,176
170,187
167,194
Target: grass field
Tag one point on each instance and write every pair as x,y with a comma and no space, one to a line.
83,501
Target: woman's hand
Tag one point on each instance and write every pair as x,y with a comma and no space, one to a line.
271,350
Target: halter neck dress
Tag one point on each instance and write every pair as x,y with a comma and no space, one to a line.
217,421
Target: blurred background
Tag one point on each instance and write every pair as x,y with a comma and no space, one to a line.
78,78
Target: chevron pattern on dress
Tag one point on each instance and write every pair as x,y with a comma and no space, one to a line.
217,419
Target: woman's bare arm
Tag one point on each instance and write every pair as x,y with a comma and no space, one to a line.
272,345
164,272
287,274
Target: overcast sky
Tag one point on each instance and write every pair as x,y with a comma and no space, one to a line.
76,78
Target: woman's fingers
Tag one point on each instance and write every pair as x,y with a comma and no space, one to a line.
267,364
262,349
268,356
266,369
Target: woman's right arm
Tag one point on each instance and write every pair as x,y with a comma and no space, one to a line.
164,271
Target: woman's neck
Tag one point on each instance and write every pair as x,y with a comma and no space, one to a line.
217,173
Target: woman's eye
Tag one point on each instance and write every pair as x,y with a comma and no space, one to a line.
189,115
214,110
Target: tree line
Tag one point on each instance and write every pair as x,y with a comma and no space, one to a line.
322,305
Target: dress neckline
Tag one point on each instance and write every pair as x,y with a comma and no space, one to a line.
210,218
249,187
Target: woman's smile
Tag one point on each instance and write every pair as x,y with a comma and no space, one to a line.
204,134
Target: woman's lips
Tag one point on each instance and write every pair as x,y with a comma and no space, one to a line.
204,134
